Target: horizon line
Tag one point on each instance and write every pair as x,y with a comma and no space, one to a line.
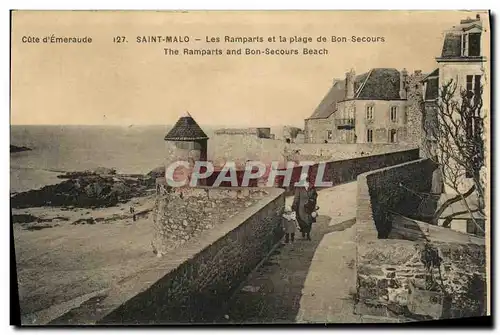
150,125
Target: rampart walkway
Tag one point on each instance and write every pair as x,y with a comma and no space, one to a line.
307,281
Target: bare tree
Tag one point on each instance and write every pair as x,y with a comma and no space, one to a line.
457,147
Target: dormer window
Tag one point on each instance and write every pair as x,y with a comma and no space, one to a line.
471,44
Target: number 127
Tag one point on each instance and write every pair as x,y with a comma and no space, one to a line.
119,39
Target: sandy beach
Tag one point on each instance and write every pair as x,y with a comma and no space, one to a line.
63,261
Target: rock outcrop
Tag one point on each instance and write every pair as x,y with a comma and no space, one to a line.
85,190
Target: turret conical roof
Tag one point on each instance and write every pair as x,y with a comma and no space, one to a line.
186,129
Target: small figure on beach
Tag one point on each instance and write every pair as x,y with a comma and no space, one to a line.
304,204
289,223
132,211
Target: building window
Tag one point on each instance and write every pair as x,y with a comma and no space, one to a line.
471,45
369,112
464,44
369,135
473,88
473,85
394,113
405,115
329,134
393,136
474,44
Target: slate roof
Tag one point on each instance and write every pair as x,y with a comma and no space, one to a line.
434,73
376,84
380,84
186,129
452,45
432,88
327,106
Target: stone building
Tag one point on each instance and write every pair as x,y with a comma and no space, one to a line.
379,106
463,60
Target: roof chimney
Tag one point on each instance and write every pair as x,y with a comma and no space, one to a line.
469,20
349,84
403,77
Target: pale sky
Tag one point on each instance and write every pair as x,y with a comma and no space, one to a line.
105,83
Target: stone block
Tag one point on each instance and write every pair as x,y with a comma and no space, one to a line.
424,302
364,269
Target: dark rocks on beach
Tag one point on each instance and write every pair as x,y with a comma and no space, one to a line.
24,218
158,172
100,171
15,148
85,221
87,191
29,218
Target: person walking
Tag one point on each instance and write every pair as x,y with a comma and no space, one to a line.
289,223
304,204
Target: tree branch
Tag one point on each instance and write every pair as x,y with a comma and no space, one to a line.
451,201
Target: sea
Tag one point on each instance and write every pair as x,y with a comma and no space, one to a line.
56,149
63,148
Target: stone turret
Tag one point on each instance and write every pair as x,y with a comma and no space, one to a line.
186,141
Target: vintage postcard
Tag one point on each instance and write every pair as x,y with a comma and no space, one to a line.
250,167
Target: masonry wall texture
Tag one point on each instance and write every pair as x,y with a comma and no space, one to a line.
240,148
379,191
347,170
414,128
316,130
333,151
209,270
393,281
186,212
